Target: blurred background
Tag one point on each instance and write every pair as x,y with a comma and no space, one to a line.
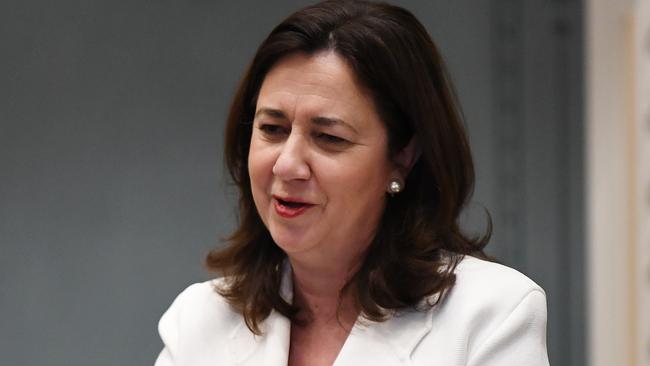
112,188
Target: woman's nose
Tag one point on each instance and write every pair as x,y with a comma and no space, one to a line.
291,163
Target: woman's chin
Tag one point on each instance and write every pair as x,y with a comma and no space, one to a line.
290,243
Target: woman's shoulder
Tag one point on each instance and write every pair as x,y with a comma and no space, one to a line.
494,311
198,308
487,289
493,315
474,275
198,317
200,295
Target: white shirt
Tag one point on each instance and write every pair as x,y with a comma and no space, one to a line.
493,316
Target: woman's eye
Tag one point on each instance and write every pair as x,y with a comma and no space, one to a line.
331,139
272,130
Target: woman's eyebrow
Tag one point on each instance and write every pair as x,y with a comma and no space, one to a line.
330,121
319,121
271,112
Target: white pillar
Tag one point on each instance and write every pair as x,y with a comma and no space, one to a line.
616,196
642,179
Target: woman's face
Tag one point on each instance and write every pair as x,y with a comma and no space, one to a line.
318,160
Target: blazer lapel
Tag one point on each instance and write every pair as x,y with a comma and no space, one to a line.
385,343
370,343
272,347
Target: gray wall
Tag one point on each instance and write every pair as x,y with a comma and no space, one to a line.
111,182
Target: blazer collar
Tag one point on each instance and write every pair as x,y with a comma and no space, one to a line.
390,342
367,341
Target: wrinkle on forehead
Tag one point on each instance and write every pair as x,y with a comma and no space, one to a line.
322,83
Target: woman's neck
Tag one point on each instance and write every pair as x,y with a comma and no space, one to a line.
319,292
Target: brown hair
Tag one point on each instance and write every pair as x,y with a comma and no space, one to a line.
418,242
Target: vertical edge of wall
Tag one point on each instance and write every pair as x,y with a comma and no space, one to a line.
641,55
609,120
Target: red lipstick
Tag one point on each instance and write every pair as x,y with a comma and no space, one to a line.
290,207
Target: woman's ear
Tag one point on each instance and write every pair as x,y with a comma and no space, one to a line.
405,159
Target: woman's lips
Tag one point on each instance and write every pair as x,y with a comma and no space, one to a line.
289,207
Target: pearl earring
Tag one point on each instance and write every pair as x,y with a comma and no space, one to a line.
395,186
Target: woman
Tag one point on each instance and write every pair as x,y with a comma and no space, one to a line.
353,167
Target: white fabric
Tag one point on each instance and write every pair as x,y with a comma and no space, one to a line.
493,316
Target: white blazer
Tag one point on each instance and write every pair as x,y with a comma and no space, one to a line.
493,316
